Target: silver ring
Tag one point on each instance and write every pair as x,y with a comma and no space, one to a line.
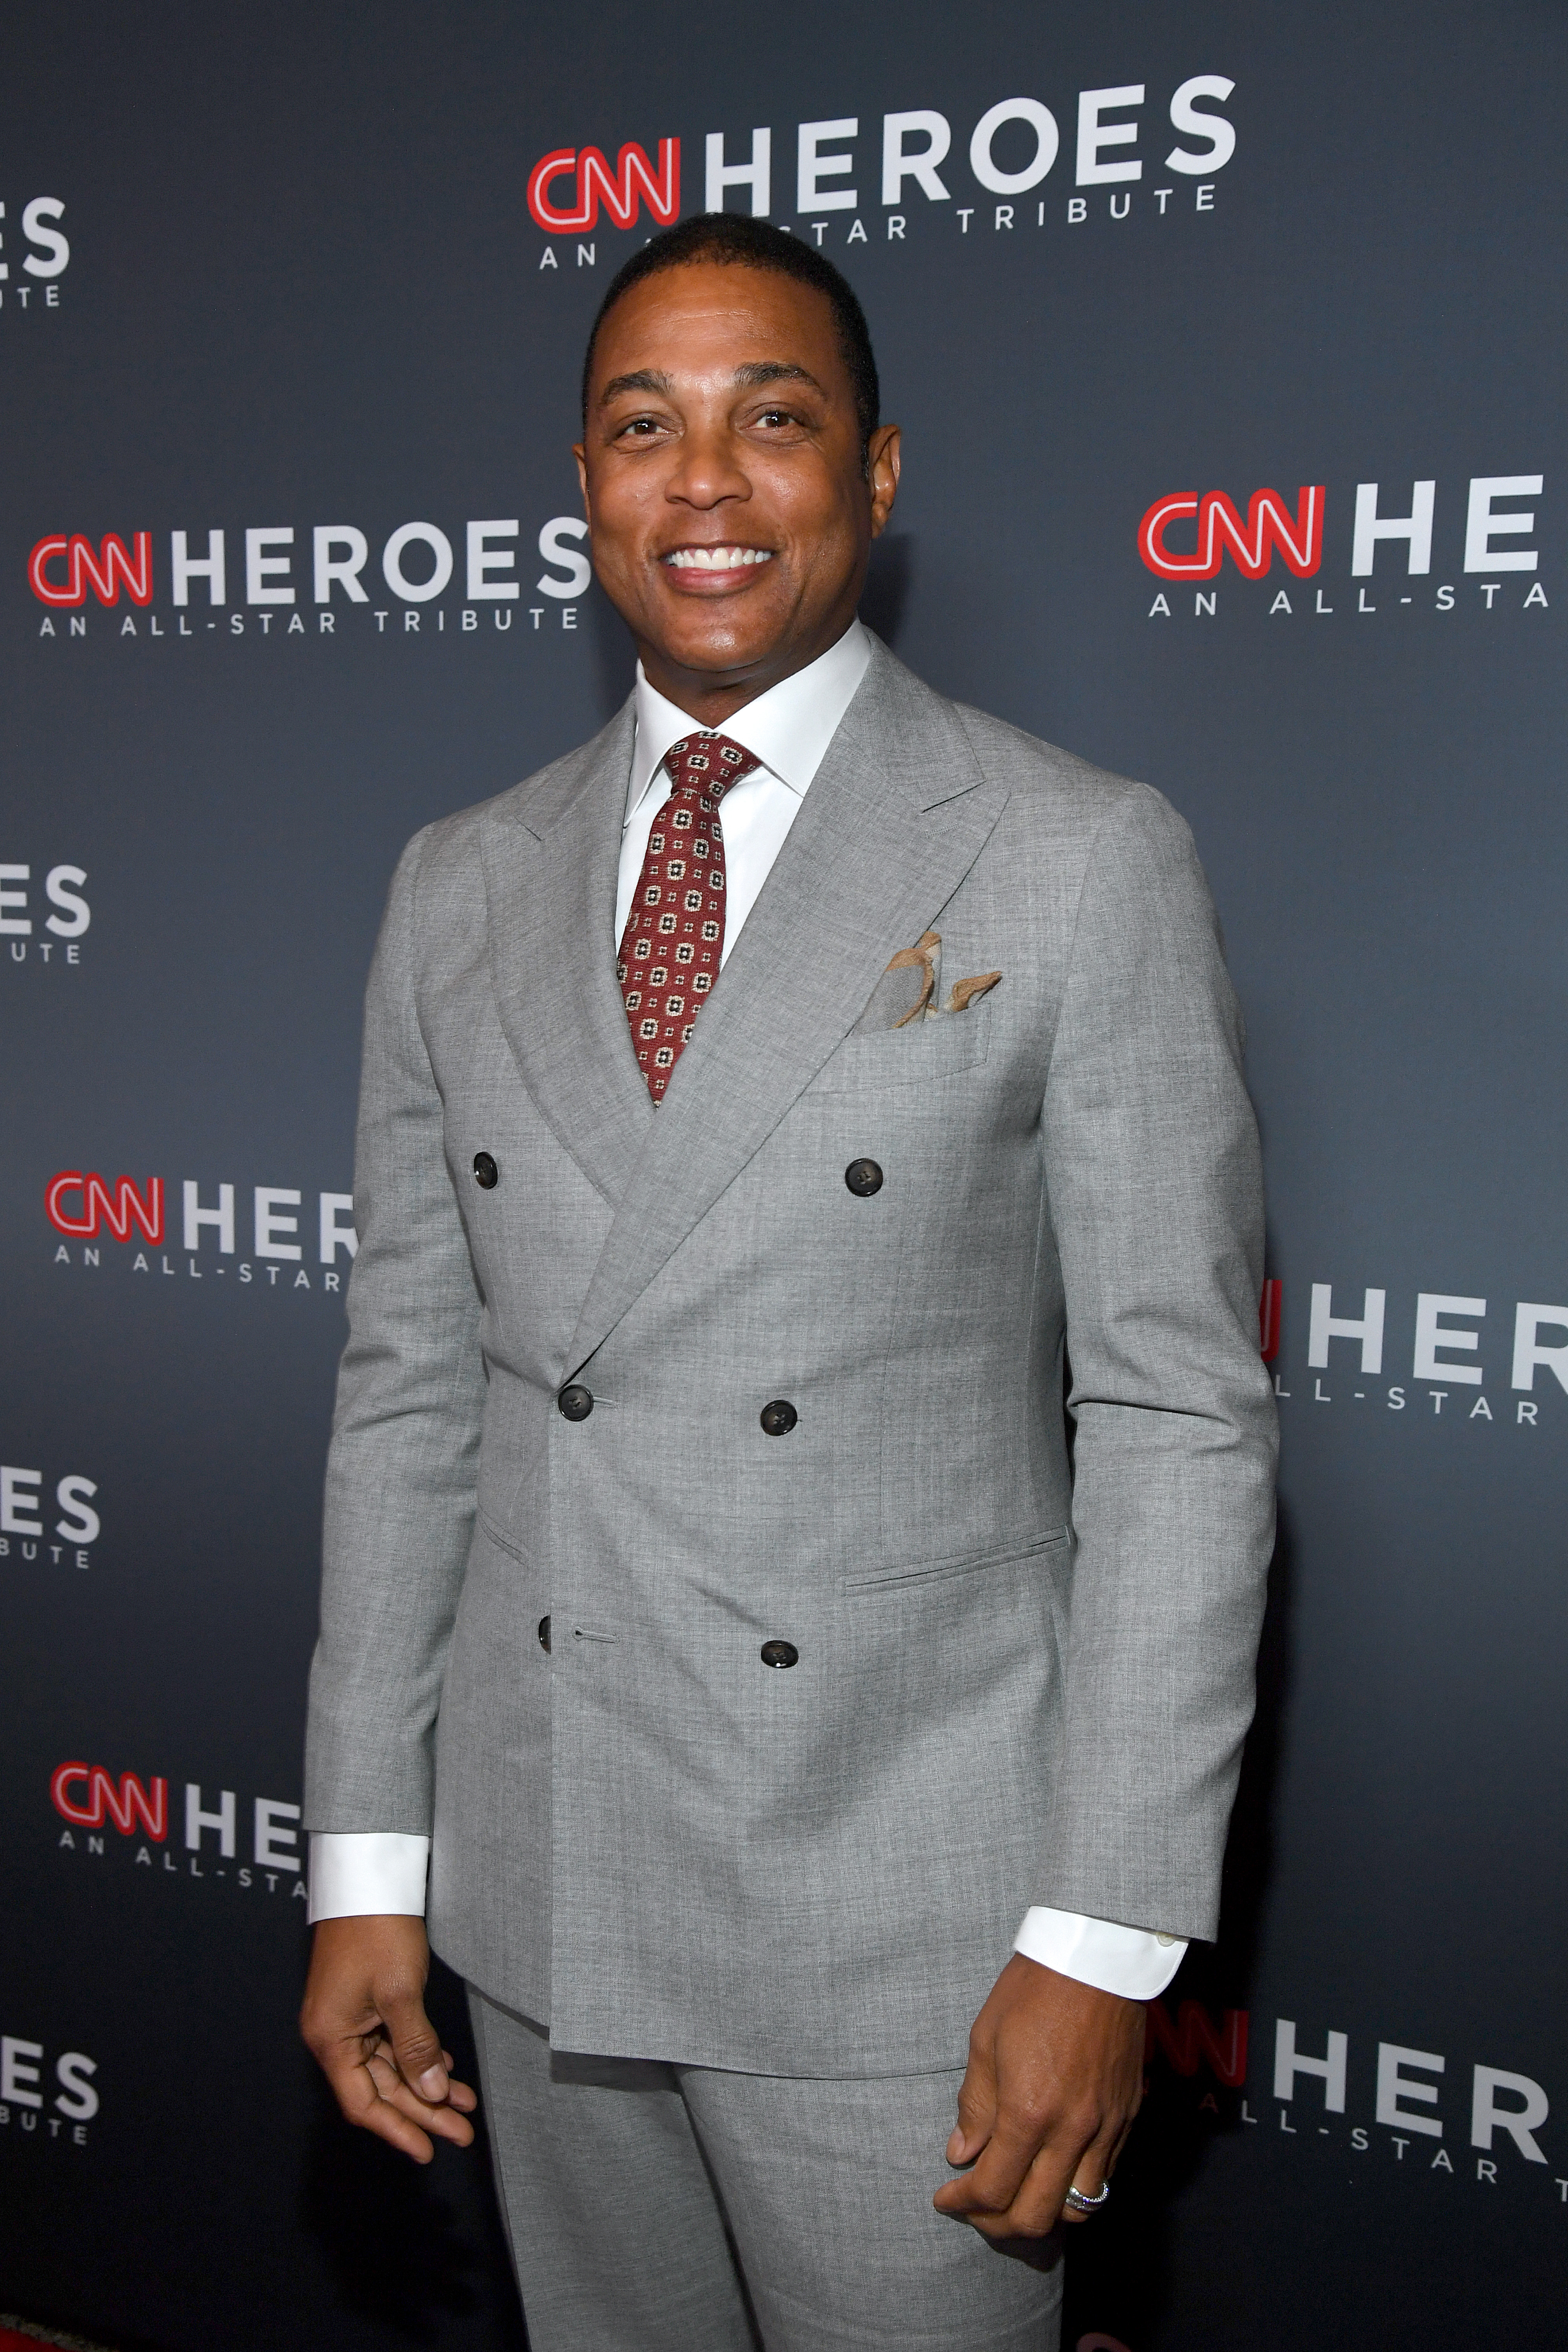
1082,2204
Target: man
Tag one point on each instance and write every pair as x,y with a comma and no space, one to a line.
709,1586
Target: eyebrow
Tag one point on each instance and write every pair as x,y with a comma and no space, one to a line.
761,371
747,378
640,380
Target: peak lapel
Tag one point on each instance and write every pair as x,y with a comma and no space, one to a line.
897,814
551,858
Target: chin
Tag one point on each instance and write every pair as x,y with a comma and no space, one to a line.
718,648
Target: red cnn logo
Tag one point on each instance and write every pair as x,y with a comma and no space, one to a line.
117,1212
1193,2039
102,568
1269,524
637,183
122,1807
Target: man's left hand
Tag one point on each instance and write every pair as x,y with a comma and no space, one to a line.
1054,2080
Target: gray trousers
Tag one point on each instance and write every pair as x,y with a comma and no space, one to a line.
680,2208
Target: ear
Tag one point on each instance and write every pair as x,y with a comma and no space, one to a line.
882,460
579,452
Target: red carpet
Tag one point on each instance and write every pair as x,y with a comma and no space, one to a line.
11,2340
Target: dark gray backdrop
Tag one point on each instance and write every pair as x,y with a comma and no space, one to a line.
304,288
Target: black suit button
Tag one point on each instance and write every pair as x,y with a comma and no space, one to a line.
486,1172
574,1403
780,1653
778,1418
544,1633
863,1178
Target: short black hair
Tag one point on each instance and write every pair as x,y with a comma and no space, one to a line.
755,244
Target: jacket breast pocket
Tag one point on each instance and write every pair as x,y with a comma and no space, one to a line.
915,1574
918,1055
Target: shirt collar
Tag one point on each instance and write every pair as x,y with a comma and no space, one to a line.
788,729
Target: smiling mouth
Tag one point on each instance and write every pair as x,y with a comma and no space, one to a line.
716,559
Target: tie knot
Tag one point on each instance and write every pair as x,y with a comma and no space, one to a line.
709,763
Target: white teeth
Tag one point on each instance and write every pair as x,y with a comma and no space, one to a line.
717,559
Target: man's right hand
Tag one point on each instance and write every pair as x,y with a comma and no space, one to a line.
363,2022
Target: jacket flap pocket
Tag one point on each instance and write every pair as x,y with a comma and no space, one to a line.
963,1563
914,1056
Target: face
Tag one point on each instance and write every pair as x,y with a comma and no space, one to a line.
730,514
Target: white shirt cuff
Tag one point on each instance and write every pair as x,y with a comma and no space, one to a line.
355,1873
1132,1961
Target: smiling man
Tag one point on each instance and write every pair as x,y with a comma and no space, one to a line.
781,1118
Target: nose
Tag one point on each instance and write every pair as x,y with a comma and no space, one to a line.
707,472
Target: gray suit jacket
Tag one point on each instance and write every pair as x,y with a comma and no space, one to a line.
1024,1674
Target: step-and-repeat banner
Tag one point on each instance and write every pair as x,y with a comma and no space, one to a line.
1228,345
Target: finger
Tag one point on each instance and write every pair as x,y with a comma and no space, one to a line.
362,2104
1013,2205
416,2045
1019,2188
1090,2180
461,2095
1094,2169
1035,2204
976,2106
993,2180
1101,2160
445,2120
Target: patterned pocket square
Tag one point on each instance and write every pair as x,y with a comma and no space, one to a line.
910,989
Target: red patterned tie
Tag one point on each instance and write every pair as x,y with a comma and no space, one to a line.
675,932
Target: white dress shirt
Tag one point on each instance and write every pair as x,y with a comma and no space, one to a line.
788,730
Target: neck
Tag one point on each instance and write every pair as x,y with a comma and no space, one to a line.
710,696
